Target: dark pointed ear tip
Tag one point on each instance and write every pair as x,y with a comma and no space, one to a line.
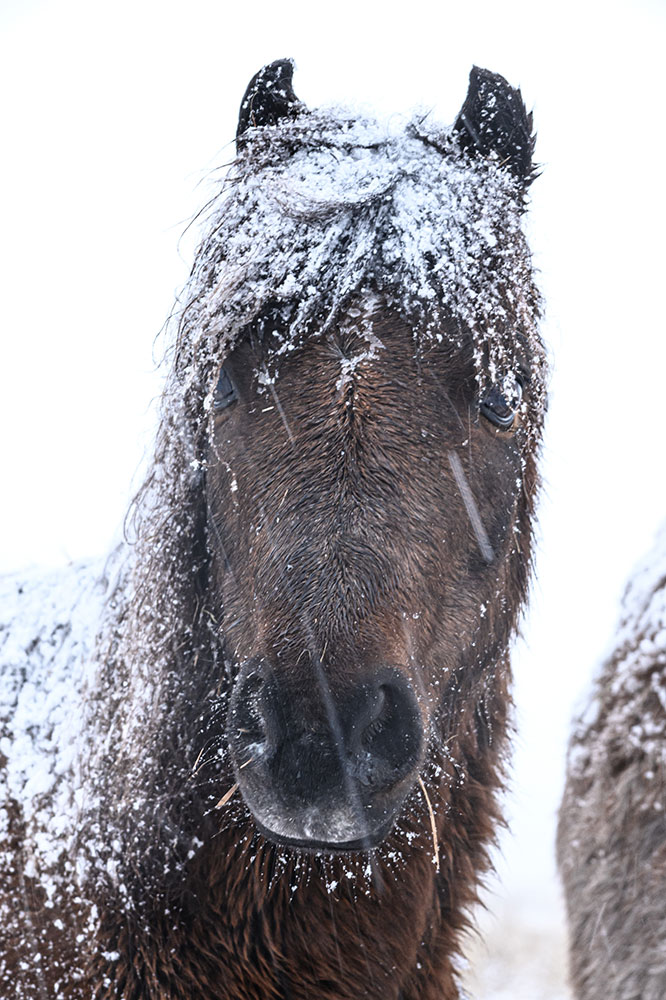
477,72
279,71
269,97
478,76
493,119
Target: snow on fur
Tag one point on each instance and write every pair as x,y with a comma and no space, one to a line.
316,217
45,643
612,827
47,631
331,205
629,701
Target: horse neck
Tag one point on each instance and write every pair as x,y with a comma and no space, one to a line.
249,924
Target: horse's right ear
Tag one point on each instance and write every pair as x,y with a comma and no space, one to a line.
268,98
494,120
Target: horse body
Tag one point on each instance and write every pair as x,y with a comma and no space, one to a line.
612,827
292,715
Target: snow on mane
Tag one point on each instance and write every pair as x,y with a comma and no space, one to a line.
629,700
318,219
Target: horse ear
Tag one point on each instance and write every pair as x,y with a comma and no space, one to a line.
494,119
269,97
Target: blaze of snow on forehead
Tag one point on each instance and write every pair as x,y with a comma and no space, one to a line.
329,207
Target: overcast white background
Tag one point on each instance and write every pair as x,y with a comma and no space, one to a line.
112,115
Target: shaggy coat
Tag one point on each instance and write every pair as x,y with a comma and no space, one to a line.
271,771
612,828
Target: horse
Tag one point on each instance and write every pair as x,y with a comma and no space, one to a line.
612,830
257,753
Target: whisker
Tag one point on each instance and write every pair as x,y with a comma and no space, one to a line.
283,418
199,756
470,506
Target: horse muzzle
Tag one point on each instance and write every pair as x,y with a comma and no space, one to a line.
321,771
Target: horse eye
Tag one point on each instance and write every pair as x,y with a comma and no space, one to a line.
499,407
225,392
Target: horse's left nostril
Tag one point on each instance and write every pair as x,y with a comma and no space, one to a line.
386,735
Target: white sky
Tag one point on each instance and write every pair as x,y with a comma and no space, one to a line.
113,113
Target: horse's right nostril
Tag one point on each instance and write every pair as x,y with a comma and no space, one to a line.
247,715
253,684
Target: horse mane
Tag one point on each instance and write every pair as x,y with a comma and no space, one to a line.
315,214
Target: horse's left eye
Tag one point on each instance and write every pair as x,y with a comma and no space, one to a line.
225,392
499,406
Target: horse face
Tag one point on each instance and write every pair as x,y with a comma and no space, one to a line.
363,511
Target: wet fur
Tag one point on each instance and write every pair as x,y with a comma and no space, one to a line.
241,923
197,904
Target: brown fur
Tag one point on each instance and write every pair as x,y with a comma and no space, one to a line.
317,526
240,930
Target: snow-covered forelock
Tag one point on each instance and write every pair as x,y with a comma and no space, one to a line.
323,209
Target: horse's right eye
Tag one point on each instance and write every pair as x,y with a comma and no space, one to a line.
225,392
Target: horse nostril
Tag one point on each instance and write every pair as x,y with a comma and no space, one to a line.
247,713
380,712
388,745
310,775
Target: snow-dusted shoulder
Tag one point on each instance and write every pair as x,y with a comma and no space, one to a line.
46,633
612,834
48,624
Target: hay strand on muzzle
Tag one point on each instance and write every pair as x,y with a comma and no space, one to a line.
227,796
433,828
234,788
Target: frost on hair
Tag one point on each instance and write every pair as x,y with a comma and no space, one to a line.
327,207
318,215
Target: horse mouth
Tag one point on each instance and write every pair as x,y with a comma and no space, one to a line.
368,842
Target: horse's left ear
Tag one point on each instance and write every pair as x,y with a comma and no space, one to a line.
269,97
494,119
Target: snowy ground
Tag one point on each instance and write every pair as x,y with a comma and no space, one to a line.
520,950
518,956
